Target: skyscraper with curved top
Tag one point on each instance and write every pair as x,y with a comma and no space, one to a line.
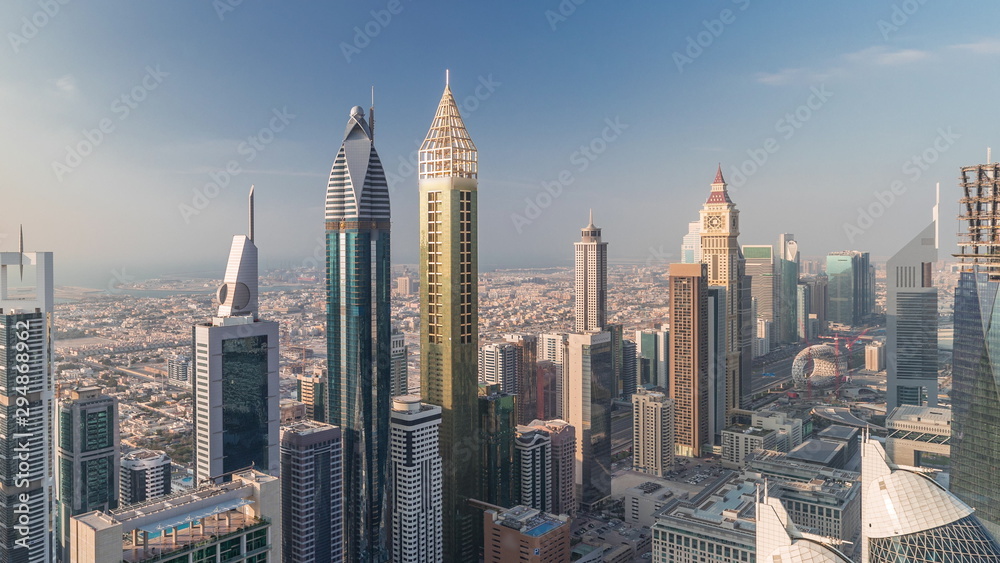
449,315
358,335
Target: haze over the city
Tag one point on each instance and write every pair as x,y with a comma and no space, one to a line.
121,117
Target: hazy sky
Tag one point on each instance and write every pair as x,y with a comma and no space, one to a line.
117,113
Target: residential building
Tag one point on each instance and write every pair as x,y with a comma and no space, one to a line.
88,463
533,460
312,478
26,324
399,353
145,475
652,432
689,358
498,366
417,482
527,384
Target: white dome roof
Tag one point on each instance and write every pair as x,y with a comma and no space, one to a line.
803,551
905,502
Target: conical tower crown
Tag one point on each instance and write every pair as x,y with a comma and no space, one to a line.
448,150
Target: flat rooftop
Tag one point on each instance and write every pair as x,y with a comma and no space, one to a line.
529,521
838,432
816,450
925,415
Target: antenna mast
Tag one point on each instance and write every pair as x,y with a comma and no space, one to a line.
251,214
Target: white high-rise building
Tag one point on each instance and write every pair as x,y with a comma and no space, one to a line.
552,347
145,475
417,481
399,352
498,366
236,376
179,369
26,326
652,432
533,447
691,245
590,296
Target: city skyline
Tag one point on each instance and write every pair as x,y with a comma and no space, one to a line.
854,88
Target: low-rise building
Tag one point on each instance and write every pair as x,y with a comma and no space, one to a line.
739,440
235,521
525,534
715,525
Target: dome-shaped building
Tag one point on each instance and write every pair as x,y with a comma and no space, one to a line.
907,516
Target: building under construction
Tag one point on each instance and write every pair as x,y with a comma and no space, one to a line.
979,245
975,450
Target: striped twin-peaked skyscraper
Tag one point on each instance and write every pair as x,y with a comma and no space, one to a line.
449,316
358,335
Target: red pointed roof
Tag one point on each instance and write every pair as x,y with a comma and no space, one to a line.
719,193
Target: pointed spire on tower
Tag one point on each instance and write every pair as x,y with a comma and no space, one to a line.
719,193
448,150
591,224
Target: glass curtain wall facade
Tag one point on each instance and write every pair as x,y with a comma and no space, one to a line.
359,335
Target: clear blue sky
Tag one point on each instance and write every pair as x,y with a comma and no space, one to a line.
197,85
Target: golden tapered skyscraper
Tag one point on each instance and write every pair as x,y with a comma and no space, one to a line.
449,316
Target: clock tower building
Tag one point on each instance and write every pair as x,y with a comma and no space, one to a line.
720,251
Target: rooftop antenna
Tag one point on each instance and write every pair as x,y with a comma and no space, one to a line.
447,78
20,251
937,228
251,214
989,155
371,114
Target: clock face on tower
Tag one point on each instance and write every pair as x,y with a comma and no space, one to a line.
713,222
